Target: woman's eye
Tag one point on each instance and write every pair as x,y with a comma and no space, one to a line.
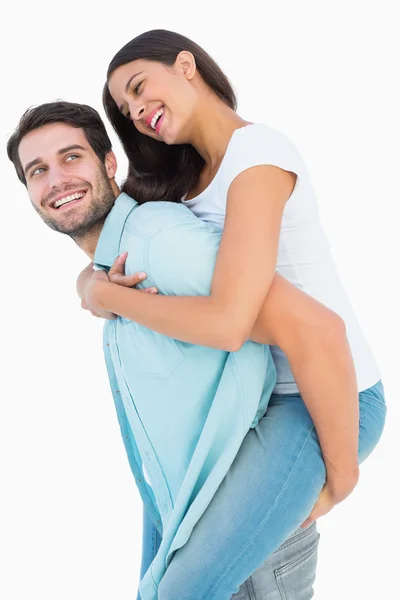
137,88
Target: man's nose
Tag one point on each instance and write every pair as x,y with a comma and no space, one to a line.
57,177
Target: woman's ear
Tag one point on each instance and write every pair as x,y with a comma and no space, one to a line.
186,63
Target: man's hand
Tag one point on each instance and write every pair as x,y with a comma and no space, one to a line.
336,489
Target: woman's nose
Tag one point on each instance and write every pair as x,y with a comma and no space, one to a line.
137,111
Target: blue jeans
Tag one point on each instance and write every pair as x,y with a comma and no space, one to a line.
237,549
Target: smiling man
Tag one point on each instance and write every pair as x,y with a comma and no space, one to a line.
183,409
57,197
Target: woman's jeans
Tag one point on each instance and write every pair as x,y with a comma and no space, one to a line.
269,490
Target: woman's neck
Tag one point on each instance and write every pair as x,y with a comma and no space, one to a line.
212,130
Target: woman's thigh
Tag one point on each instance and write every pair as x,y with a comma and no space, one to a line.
268,492
288,574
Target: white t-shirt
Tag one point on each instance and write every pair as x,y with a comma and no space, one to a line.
304,256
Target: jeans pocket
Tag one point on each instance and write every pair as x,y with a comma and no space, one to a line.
296,575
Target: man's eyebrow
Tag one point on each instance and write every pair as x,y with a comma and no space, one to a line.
69,148
128,84
38,160
31,164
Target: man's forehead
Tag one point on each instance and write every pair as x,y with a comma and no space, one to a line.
49,139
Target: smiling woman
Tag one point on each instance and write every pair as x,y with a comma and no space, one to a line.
248,365
174,111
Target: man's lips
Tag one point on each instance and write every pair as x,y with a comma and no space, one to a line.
65,195
69,204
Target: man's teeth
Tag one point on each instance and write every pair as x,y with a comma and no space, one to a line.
62,201
156,117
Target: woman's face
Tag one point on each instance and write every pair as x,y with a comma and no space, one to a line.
159,99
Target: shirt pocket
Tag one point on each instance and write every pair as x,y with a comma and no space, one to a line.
151,354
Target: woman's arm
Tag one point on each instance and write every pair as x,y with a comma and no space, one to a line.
314,341
248,253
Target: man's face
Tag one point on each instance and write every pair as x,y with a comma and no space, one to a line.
68,185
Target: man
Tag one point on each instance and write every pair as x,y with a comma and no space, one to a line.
170,397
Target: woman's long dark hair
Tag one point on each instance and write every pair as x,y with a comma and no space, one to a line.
158,171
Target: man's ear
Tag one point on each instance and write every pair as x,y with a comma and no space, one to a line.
110,164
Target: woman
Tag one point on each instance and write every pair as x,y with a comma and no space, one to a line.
174,112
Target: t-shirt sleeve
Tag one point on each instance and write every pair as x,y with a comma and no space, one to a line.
256,145
181,257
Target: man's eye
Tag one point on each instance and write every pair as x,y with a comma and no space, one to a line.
73,156
37,171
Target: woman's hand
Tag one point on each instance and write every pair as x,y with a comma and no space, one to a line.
117,275
90,282
88,301
336,489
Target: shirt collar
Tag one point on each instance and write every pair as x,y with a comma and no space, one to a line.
108,244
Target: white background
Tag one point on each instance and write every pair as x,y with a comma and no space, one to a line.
326,74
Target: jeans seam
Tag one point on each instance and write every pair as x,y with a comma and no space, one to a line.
300,536
250,588
382,406
290,567
267,515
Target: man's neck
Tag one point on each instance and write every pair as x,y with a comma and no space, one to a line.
88,241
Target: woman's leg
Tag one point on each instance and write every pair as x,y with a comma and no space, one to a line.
268,492
291,569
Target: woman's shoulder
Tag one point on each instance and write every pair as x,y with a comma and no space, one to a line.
257,144
255,136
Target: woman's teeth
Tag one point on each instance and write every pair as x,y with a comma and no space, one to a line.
70,198
156,117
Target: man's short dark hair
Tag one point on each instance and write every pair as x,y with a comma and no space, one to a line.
76,115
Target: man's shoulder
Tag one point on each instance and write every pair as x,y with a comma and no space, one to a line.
149,218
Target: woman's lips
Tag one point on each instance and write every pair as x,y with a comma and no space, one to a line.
159,123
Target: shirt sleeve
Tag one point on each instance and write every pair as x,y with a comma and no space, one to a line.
182,255
256,145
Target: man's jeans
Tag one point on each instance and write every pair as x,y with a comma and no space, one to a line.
248,544
288,574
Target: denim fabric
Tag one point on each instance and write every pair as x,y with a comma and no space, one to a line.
288,574
205,399
237,549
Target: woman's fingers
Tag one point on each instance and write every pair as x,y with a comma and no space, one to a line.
117,275
126,280
118,266
324,504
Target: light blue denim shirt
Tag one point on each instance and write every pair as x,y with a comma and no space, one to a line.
183,409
